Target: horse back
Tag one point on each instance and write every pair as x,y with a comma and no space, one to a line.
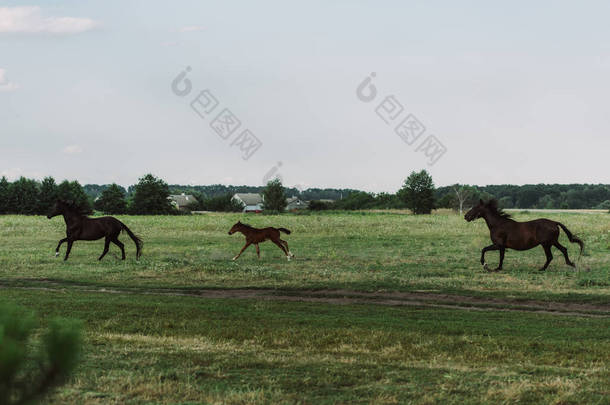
97,228
527,235
257,235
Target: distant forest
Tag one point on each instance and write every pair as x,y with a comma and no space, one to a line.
219,190
541,196
27,196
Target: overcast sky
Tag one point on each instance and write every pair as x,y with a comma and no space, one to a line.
513,92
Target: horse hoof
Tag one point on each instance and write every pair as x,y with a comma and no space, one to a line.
486,267
498,269
56,254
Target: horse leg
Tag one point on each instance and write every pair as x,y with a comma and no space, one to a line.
283,242
258,250
549,256
70,242
281,246
565,253
242,250
121,246
106,247
502,250
487,249
59,245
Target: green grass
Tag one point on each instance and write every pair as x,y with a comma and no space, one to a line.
188,350
356,251
143,347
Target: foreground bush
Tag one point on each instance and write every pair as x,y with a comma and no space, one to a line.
30,371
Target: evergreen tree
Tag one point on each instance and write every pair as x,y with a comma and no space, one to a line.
4,195
151,197
47,195
23,197
73,191
274,196
112,200
418,193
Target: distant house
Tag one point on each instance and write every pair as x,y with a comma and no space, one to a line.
252,202
295,204
182,201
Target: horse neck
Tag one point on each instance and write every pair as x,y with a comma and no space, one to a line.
71,217
493,220
245,229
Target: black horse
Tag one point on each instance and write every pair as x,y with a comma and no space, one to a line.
81,227
508,233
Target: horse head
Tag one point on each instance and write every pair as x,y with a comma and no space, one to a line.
475,212
235,228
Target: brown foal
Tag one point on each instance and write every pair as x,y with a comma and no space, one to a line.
256,236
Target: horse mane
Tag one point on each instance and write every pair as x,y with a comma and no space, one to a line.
246,225
492,205
74,208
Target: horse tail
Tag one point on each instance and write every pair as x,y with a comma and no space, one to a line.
572,238
135,239
286,231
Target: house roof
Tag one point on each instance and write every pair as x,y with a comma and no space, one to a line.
249,198
295,202
182,200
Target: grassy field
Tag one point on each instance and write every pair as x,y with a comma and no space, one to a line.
152,339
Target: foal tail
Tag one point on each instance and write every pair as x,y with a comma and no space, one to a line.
286,231
135,239
572,238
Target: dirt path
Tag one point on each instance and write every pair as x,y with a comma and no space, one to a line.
337,297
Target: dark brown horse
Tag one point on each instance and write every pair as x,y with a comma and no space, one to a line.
507,233
80,227
256,236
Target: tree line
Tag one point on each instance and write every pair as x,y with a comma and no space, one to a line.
539,196
462,196
220,190
30,197
150,196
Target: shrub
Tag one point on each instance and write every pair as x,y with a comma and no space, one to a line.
223,203
27,375
319,205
